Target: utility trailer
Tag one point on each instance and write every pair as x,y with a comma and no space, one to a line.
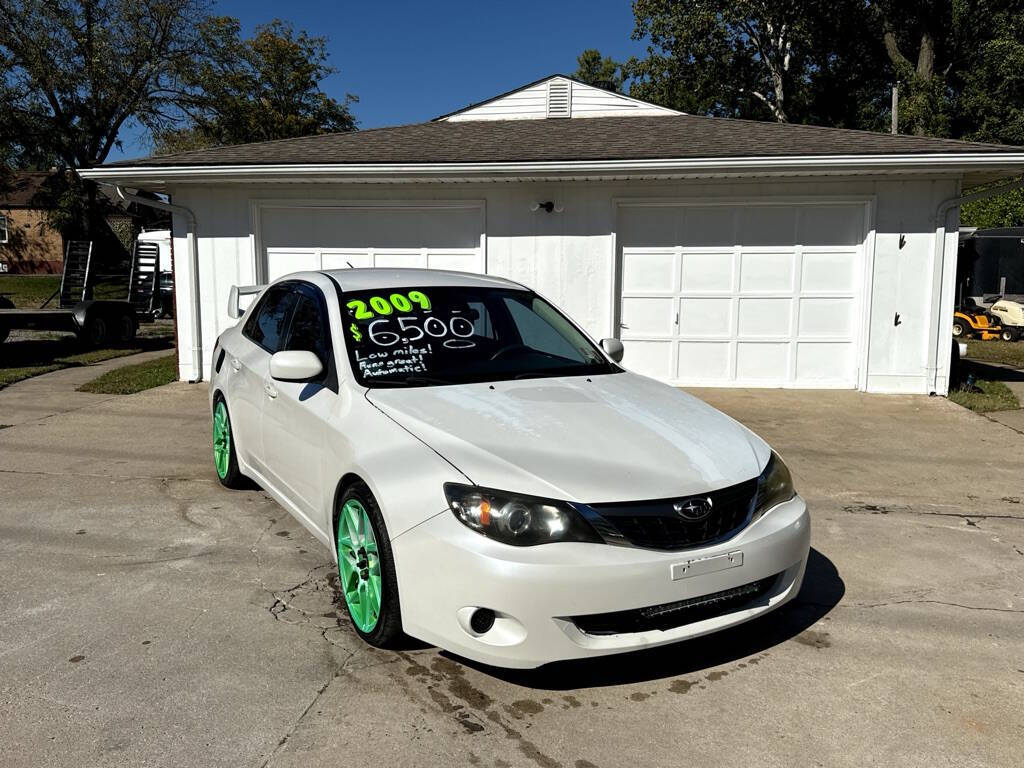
95,322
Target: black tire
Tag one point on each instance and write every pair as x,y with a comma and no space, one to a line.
232,477
960,329
5,303
1008,334
387,633
124,329
94,334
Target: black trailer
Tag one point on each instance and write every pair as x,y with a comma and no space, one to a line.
95,322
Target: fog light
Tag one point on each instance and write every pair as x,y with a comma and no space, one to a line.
482,620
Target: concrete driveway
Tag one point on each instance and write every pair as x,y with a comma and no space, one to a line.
153,619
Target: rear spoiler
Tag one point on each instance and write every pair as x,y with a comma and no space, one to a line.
235,310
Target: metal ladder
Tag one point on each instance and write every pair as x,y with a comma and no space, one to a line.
74,282
144,283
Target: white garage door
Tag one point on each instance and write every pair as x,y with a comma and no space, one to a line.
337,237
743,295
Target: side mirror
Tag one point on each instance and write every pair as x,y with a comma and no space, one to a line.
613,348
295,366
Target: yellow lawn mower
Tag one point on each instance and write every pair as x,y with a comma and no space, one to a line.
970,320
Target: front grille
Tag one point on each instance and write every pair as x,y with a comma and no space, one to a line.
656,525
677,614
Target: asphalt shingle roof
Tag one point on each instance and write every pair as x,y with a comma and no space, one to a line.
19,190
597,138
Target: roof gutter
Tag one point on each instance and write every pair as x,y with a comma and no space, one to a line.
950,162
193,282
939,269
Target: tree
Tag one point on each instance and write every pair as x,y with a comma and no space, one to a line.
75,71
604,72
740,58
263,88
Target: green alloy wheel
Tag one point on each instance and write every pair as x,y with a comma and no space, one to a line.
359,565
224,458
221,440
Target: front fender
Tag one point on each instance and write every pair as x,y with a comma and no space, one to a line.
404,474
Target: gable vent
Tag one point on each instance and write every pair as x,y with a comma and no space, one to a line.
559,100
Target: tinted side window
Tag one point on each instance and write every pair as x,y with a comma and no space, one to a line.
309,329
269,322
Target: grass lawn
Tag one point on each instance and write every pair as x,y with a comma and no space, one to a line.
993,396
39,353
996,351
135,378
29,291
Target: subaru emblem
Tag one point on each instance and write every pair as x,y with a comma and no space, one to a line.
693,510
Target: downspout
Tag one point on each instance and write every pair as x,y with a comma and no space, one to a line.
193,284
939,265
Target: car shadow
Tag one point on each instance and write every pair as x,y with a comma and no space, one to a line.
983,370
822,590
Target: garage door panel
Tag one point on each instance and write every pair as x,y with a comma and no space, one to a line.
400,259
645,316
458,262
764,317
709,226
762,361
649,271
766,272
647,227
828,272
824,361
650,358
705,317
345,259
284,261
826,317
831,225
700,360
707,272
766,226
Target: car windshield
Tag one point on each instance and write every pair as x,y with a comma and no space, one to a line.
431,336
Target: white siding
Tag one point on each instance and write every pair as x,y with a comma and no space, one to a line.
532,104
571,256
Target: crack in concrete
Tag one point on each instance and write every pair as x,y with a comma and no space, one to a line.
887,603
936,602
166,478
1001,424
882,509
295,726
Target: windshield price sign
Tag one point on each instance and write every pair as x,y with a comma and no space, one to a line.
395,334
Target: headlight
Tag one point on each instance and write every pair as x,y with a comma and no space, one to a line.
522,521
774,486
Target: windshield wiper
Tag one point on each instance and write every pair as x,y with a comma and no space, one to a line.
538,375
412,381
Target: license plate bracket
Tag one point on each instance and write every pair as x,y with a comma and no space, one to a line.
704,565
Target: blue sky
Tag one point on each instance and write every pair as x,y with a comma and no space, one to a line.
411,61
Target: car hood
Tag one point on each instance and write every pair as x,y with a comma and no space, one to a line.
615,437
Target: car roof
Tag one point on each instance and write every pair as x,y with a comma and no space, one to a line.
360,279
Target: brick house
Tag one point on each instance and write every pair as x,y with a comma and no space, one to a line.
27,244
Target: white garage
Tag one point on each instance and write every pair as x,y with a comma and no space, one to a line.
722,252
744,294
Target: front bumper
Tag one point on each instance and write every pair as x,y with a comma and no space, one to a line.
445,571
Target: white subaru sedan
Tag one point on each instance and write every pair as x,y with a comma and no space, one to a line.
489,479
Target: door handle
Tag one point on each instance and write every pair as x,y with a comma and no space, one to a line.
236,364
270,390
